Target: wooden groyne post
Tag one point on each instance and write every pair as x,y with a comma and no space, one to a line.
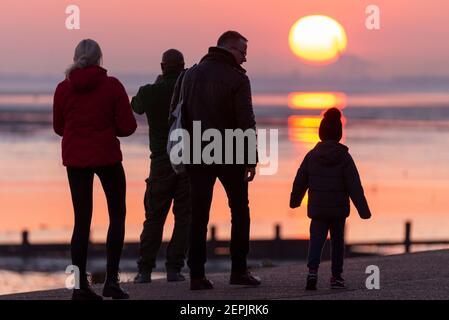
277,232
213,234
25,238
26,246
408,237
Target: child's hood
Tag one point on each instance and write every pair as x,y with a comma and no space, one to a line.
329,153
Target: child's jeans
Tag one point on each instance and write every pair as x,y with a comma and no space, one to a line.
318,234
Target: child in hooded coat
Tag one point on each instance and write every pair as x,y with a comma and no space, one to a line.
330,175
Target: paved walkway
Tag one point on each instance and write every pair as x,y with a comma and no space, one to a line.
412,276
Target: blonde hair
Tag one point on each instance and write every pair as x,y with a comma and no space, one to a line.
87,53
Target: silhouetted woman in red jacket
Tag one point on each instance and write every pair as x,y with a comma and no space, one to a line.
90,111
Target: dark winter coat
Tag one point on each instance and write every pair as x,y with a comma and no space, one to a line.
90,111
217,92
330,174
154,100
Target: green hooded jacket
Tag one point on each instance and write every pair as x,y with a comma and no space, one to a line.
154,101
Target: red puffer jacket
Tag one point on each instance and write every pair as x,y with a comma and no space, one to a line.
90,111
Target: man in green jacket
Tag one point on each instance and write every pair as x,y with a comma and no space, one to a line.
163,185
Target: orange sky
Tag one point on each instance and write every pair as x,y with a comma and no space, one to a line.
133,33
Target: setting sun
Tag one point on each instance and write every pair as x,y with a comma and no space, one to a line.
317,39
316,100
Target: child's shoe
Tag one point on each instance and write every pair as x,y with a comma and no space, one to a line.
338,283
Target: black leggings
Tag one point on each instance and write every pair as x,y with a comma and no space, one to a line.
81,186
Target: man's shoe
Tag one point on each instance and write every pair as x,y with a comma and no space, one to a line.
143,277
175,277
244,279
312,279
201,284
113,290
338,283
86,293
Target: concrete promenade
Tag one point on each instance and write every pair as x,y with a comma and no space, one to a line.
422,275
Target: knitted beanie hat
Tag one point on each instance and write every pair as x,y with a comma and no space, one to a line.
331,127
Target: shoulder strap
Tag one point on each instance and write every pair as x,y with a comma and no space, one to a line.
183,75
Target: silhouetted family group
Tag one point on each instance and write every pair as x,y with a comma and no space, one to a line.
92,109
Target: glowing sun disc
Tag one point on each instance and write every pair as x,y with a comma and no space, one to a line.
317,39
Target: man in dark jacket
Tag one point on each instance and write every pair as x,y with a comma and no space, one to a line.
331,176
217,93
163,185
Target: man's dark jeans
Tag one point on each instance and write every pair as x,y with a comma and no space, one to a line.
202,180
163,187
318,234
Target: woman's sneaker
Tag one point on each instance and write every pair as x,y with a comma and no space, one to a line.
175,276
143,277
338,283
86,293
201,284
244,278
113,290
312,279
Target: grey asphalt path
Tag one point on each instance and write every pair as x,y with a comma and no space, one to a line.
422,275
